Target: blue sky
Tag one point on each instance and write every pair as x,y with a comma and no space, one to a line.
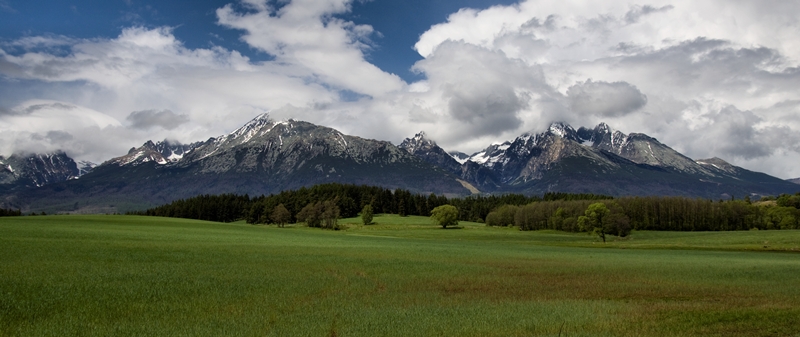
712,78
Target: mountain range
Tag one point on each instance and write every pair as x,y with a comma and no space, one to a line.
266,156
597,160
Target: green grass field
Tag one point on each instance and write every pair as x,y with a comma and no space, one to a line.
144,276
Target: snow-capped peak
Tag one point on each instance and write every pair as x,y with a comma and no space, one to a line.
419,141
492,154
252,127
560,129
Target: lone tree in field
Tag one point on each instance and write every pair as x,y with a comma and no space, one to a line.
599,220
445,215
280,215
366,214
592,220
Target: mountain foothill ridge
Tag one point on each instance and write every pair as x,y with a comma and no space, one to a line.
266,156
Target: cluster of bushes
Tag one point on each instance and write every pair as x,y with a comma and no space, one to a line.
10,212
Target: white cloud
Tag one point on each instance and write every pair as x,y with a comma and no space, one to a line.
44,126
307,34
710,78
317,57
217,90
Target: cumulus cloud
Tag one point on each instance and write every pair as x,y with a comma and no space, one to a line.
151,118
710,78
479,88
306,33
319,62
605,99
215,89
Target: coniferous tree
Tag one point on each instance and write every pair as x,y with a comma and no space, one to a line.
366,214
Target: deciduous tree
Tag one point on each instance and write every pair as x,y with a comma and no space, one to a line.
280,215
445,215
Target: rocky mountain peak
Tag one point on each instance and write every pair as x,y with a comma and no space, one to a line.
419,142
163,152
173,151
492,154
564,130
254,125
426,149
37,169
261,124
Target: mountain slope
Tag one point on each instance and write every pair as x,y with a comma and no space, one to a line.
265,156
35,170
261,157
431,153
602,160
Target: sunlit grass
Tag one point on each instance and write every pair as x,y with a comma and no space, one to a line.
402,276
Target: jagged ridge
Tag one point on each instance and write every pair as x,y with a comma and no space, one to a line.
35,170
602,160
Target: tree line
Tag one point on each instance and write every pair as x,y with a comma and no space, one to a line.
10,212
349,200
322,205
653,213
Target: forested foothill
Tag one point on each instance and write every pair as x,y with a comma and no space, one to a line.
323,205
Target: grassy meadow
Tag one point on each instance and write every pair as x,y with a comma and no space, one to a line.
142,276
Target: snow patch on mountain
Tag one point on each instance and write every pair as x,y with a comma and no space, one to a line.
460,157
492,154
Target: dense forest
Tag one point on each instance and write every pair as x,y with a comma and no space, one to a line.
350,200
559,211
